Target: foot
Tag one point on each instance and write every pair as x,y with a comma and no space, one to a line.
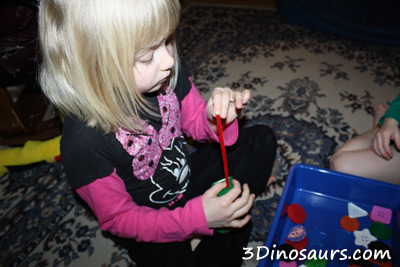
379,110
271,180
194,242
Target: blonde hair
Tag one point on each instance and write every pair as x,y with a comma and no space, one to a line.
89,49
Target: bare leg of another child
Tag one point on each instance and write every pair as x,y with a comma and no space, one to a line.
356,156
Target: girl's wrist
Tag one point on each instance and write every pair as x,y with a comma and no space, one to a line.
391,121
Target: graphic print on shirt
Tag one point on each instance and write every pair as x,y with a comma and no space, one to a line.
178,167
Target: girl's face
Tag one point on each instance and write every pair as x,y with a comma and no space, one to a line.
152,67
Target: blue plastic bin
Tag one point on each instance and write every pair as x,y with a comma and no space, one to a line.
324,195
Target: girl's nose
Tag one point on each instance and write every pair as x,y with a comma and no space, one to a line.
168,60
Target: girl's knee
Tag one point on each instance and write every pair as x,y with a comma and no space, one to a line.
339,163
262,135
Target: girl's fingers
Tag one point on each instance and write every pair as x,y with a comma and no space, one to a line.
216,101
383,148
241,98
220,100
376,146
246,96
243,199
238,98
244,209
233,193
240,223
214,190
386,148
225,101
396,140
223,98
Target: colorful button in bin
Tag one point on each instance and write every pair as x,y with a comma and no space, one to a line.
360,262
376,246
381,231
381,214
349,224
343,215
378,263
287,264
316,263
287,248
297,233
296,213
363,238
355,211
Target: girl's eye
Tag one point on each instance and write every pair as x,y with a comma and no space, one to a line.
146,57
146,61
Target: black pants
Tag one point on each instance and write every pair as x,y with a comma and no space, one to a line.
250,161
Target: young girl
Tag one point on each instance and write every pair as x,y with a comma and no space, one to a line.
374,154
112,68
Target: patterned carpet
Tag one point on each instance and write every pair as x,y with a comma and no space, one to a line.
314,90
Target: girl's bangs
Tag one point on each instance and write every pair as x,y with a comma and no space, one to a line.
161,22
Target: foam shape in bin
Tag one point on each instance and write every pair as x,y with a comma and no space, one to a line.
343,238
298,245
355,211
317,237
381,214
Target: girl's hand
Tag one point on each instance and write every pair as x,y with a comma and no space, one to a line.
226,103
227,210
381,142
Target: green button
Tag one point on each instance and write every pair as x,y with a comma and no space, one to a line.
316,263
381,231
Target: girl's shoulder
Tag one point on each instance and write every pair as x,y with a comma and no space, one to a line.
86,152
82,137
76,129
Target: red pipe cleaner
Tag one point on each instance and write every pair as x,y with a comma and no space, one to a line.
221,141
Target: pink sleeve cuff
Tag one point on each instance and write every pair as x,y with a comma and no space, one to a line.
230,131
118,214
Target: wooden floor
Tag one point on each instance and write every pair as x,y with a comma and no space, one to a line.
261,3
